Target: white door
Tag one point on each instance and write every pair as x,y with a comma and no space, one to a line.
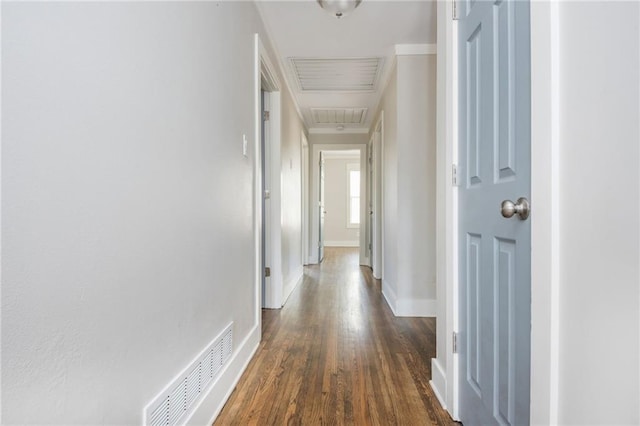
495,251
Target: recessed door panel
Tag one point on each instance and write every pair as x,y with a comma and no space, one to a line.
504,281
503,77
473,311
474,121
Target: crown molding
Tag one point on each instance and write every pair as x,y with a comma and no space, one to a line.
415,49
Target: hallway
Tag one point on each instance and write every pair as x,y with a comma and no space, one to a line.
335,354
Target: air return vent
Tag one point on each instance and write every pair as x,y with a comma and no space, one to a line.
338,115
336,74
174,405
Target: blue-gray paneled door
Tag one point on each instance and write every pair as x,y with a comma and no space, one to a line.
495,252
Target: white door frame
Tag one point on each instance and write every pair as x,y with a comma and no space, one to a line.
545,77
314,193
378,199
304,161
266,79
545,220
371,197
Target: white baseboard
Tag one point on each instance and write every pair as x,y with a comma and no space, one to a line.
342,243
404,307
416,307
211,404
389,296
292,283
438,381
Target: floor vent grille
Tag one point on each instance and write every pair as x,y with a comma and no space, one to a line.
173,405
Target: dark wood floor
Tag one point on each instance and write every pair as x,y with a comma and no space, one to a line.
335,354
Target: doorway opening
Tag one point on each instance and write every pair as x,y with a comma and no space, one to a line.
267,166
339,199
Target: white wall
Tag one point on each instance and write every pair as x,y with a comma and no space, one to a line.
336,232
127,229
409,187
417,178
389,105
291,194
599,372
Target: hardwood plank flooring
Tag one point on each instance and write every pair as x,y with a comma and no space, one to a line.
336,355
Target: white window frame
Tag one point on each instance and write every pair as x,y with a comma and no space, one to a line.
352,167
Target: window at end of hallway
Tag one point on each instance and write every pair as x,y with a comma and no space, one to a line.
353,203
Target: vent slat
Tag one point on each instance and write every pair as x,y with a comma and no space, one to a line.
174,407
337,74
205,366
338,115
160,416
193,386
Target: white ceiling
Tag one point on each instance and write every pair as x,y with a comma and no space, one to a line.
302,30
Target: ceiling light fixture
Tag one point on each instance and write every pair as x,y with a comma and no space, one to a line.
339,8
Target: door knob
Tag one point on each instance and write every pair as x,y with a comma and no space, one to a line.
521,207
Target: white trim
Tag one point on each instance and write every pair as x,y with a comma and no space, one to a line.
278,56
545,244
402,307
447,209
273,297
379,127
332,131
342,243
257,183
267,71
376,240
452,231
387,79
1,214
304,186
415,49
220,392
416,307
389,296
438,381
292,283
274,290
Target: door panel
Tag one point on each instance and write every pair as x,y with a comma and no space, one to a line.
495,252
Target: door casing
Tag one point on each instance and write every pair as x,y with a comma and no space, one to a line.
266,79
